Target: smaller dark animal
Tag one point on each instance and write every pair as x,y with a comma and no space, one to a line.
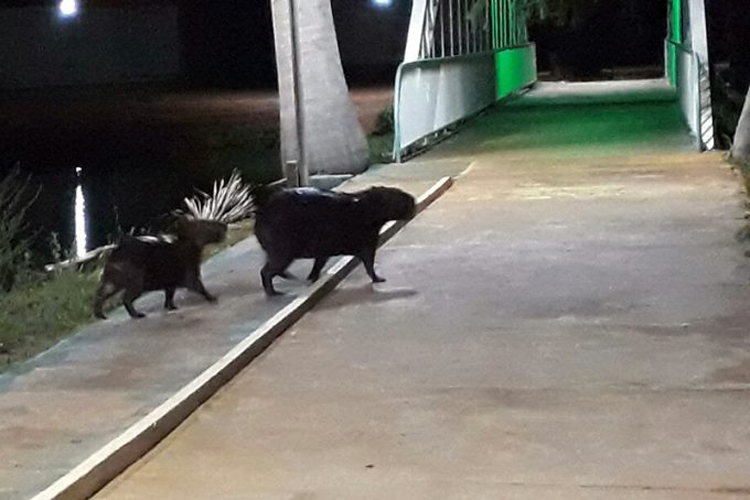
315,224
145,263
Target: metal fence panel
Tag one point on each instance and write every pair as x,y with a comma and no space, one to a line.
693,92
433,94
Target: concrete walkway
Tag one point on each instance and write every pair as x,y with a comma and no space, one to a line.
569,321
62,406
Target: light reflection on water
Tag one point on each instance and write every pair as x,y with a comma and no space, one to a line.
81,235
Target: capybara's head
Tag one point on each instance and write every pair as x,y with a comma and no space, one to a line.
390,203
202,232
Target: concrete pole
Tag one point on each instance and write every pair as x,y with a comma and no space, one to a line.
300,175
319,125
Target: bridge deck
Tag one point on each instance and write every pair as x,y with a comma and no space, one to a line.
569,321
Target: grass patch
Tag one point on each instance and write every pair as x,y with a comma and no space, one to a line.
381,148
381,139
35,316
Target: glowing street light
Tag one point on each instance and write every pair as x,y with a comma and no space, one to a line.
68,8
382,3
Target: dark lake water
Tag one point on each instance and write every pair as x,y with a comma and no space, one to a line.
134,154
137,152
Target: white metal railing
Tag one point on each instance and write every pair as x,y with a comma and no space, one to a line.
431,95
455,27
454,56
450,28
694,91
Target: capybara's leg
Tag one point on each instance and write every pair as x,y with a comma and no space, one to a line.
132,293
105,291
273,267
320,262
368,259
193,282
198,287
169,298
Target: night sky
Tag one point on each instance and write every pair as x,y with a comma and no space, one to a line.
231,41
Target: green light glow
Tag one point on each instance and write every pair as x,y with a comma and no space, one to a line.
676,31
675,35
515,68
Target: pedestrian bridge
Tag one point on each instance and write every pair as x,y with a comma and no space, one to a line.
463,56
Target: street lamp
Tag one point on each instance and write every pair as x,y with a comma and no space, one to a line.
68,8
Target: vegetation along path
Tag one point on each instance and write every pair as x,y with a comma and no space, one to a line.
569,321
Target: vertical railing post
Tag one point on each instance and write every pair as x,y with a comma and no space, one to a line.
450,22
442,28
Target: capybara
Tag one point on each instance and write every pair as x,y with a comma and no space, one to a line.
145,263
298,223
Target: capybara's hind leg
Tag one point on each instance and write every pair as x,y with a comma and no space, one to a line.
368,259
320,262
273,267
130,295
105,291
169,298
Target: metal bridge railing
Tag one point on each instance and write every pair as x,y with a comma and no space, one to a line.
461,57
459,27
694,90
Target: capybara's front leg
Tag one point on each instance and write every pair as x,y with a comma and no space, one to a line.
105,291
202,290
132,294
273,267
194,283
169,298
368,259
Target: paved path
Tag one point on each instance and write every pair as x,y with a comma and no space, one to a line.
62,406
569,321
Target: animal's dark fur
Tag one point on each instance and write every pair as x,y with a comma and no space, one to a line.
315,224
140,264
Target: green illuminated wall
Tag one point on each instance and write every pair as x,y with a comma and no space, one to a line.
515,58
515,68
675,36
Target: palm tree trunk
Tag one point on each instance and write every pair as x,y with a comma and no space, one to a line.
741,144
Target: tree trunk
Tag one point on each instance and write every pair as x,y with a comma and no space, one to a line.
741,144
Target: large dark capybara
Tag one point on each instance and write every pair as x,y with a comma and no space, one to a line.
311,223
145,263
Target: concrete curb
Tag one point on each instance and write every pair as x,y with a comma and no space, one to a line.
112,459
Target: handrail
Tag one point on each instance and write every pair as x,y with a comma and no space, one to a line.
434,61
429,63
699,70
